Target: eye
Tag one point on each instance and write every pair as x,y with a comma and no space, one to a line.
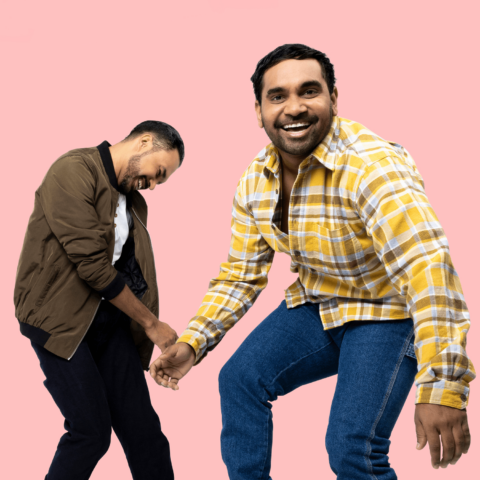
276,98
310,92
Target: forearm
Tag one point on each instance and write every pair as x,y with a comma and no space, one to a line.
129,304
223,306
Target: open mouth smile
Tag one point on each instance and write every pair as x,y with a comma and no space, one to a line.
296,129
140,184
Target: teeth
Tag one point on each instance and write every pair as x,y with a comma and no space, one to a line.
294,125
139,184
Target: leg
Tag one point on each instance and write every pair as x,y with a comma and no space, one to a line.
375,374
287,350
134,420
78,391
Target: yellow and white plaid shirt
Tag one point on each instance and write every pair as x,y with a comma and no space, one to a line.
366,244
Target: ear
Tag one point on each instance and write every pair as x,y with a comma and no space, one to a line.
258,111
145,141
334,100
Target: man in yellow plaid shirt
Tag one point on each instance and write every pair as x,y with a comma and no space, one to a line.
377,300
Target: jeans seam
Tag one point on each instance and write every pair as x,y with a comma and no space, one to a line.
275,378
368,446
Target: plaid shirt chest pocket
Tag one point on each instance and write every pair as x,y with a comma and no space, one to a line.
335,252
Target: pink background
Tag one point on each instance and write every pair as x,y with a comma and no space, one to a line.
75,74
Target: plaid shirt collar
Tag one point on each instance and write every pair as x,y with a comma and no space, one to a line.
323,153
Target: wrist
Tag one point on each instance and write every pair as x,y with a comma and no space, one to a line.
150,323
190,348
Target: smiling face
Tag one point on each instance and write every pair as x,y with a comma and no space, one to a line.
297,108
148,168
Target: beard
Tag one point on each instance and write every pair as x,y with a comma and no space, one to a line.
301,147
133,170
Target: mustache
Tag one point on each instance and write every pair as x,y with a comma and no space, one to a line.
299,119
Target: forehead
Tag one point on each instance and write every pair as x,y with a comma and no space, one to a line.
291,73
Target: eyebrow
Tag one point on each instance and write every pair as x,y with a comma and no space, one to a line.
309,83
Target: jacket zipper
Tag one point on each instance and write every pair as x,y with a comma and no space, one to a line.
153,256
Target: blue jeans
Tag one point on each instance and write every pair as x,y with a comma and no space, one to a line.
375,364
102,387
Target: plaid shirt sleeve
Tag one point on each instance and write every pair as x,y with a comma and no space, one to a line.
240,281
410,242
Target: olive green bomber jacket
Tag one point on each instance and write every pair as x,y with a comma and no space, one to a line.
65,265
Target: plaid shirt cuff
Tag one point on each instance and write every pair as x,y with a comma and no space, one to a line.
448,394
197,341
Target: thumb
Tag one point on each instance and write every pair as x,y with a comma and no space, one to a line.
421,436
156,366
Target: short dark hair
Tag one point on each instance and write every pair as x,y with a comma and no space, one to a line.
165,135
291,51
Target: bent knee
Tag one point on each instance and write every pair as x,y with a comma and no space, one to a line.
356,453
101,442
237,374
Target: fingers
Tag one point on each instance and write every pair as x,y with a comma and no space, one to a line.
164,380
448,443
466,434
459,438
159,374
434,444
421,435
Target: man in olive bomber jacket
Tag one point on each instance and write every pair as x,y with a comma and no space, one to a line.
86,296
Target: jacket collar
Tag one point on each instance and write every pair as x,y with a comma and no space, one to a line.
323,153
107,161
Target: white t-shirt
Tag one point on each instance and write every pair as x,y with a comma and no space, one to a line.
123,221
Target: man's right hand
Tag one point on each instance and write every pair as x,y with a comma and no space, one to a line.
161,334
172,365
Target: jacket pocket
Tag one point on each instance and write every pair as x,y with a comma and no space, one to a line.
42,286
338,251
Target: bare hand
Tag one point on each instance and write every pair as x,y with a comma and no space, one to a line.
174,364
451,424
161,334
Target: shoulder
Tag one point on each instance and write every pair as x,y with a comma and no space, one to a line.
80,161
365,149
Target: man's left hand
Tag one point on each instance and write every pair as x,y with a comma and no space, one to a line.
451,424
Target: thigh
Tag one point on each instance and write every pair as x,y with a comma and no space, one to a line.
125,383
77,388
375,374
287,350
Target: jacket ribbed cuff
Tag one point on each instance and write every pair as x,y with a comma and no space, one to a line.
113,288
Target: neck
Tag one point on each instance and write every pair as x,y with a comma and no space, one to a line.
291,163
120,156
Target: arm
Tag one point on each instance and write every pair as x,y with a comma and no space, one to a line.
68,200
160,333
412,246
230,295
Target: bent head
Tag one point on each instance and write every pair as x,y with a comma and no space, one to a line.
155,151
296,98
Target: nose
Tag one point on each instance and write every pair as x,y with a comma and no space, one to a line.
152,185
294,106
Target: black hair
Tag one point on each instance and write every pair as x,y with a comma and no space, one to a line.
167,138
291,51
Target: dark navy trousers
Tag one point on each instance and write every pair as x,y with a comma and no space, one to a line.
103,387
